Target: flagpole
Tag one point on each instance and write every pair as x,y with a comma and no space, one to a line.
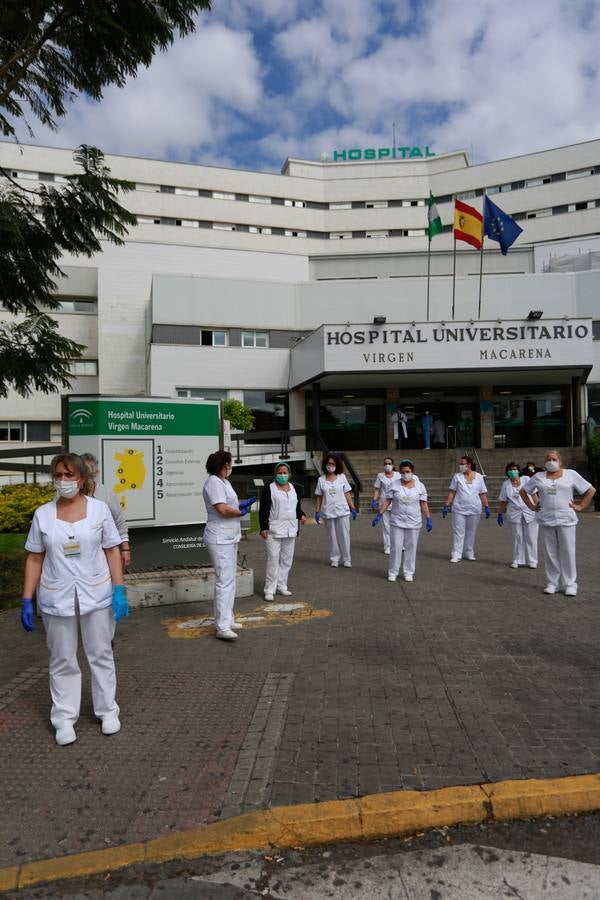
428,274
481,266
454,279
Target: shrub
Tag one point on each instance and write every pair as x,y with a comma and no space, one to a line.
18,502
594,446
241,417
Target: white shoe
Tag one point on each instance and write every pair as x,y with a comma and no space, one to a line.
471,557
387,551
111,725
284,592
550,589
532,565
392,577
334,564
514,565
227,635
571,590
269,597
65,735
347,565
236,626
455,559
408,577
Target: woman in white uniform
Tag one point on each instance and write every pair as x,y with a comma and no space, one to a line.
74,562
279,515
333,503
523,521
557,519
380,485
407,499
222,535
467,495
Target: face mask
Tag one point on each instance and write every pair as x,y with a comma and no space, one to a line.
552,465
66,488
512,473
330,469
463,469
406,476
228,471
388,468
281,479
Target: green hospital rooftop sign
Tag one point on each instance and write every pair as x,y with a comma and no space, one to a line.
377,153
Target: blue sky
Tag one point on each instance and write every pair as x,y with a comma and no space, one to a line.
263,80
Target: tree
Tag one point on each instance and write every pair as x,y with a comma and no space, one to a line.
49,52
239,416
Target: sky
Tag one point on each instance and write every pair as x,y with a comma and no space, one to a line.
263,80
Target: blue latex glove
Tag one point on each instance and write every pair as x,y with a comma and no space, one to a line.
429,523
354,513
318,517
377,519
375,504
245,505
488,512
500,520
27,613
119,602
445,510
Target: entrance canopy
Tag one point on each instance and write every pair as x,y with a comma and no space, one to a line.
425,352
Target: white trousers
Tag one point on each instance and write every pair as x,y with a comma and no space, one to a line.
403,541
338,532
62,632
559,555
385,527
525,542
224,560
464,529
280,555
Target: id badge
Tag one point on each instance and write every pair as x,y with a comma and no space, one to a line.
332,491
72,549
551,490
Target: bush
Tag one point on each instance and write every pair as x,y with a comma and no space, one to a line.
18,502
594,446
239,416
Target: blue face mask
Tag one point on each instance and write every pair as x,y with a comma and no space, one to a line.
513,473
282,479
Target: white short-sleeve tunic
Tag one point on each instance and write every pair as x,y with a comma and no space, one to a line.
334,503
220,529
555,496
467,500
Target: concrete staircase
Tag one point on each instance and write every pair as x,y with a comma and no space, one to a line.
436,468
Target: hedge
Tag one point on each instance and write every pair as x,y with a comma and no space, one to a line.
18,502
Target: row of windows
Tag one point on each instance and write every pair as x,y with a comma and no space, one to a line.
24,431
537,181
220,338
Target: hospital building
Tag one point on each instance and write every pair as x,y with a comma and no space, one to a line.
305,295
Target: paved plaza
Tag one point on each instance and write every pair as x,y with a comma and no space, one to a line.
469,674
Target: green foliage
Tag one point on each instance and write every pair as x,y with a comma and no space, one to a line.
49,52
594,446
18,502
12,559
241,417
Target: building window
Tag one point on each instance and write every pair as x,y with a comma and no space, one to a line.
11,431
38,431
222,195
578,173
149,188
147,220
377,234
202,393
376,204
415,232
340,235
255,339
256,198
78,306
26,176
187,223
223,226
340,206
289,233
299,203
270,410
539,213
258,229
84,367
217,338
186,192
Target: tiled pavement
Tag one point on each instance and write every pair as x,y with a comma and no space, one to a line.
468,674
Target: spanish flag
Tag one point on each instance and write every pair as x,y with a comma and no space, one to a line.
468,224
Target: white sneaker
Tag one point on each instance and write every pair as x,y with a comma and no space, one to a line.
227,635
392,577
532,565
284,592
347,565
550,589
455,559
269,597
470,557
571,590
236,626
65,735
514,565
386,550
334,564
111,725
408,577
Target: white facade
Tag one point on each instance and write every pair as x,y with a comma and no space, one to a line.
221,255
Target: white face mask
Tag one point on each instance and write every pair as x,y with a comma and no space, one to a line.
66,488
552,465
406,476
388,468
330,469
462,468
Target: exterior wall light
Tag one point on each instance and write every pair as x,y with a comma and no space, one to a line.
379,320
535,314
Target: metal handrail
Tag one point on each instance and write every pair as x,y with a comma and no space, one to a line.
472,452
15,452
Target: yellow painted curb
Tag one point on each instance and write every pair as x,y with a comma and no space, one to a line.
375,816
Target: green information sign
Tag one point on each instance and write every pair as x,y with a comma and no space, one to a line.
116,417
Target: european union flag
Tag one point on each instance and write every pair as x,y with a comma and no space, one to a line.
499,226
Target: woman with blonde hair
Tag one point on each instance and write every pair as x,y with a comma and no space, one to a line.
557,516
74,562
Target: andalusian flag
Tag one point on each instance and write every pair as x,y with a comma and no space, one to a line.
433,216
468,224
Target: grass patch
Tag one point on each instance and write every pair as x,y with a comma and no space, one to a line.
12,559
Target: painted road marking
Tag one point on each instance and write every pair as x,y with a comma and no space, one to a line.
271,615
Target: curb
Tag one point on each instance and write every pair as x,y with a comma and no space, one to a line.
388,815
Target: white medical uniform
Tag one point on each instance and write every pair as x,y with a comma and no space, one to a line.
283,529
75,585
406,519
382,483
221,536
557,523
101,492
466,512
336,515
523,523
